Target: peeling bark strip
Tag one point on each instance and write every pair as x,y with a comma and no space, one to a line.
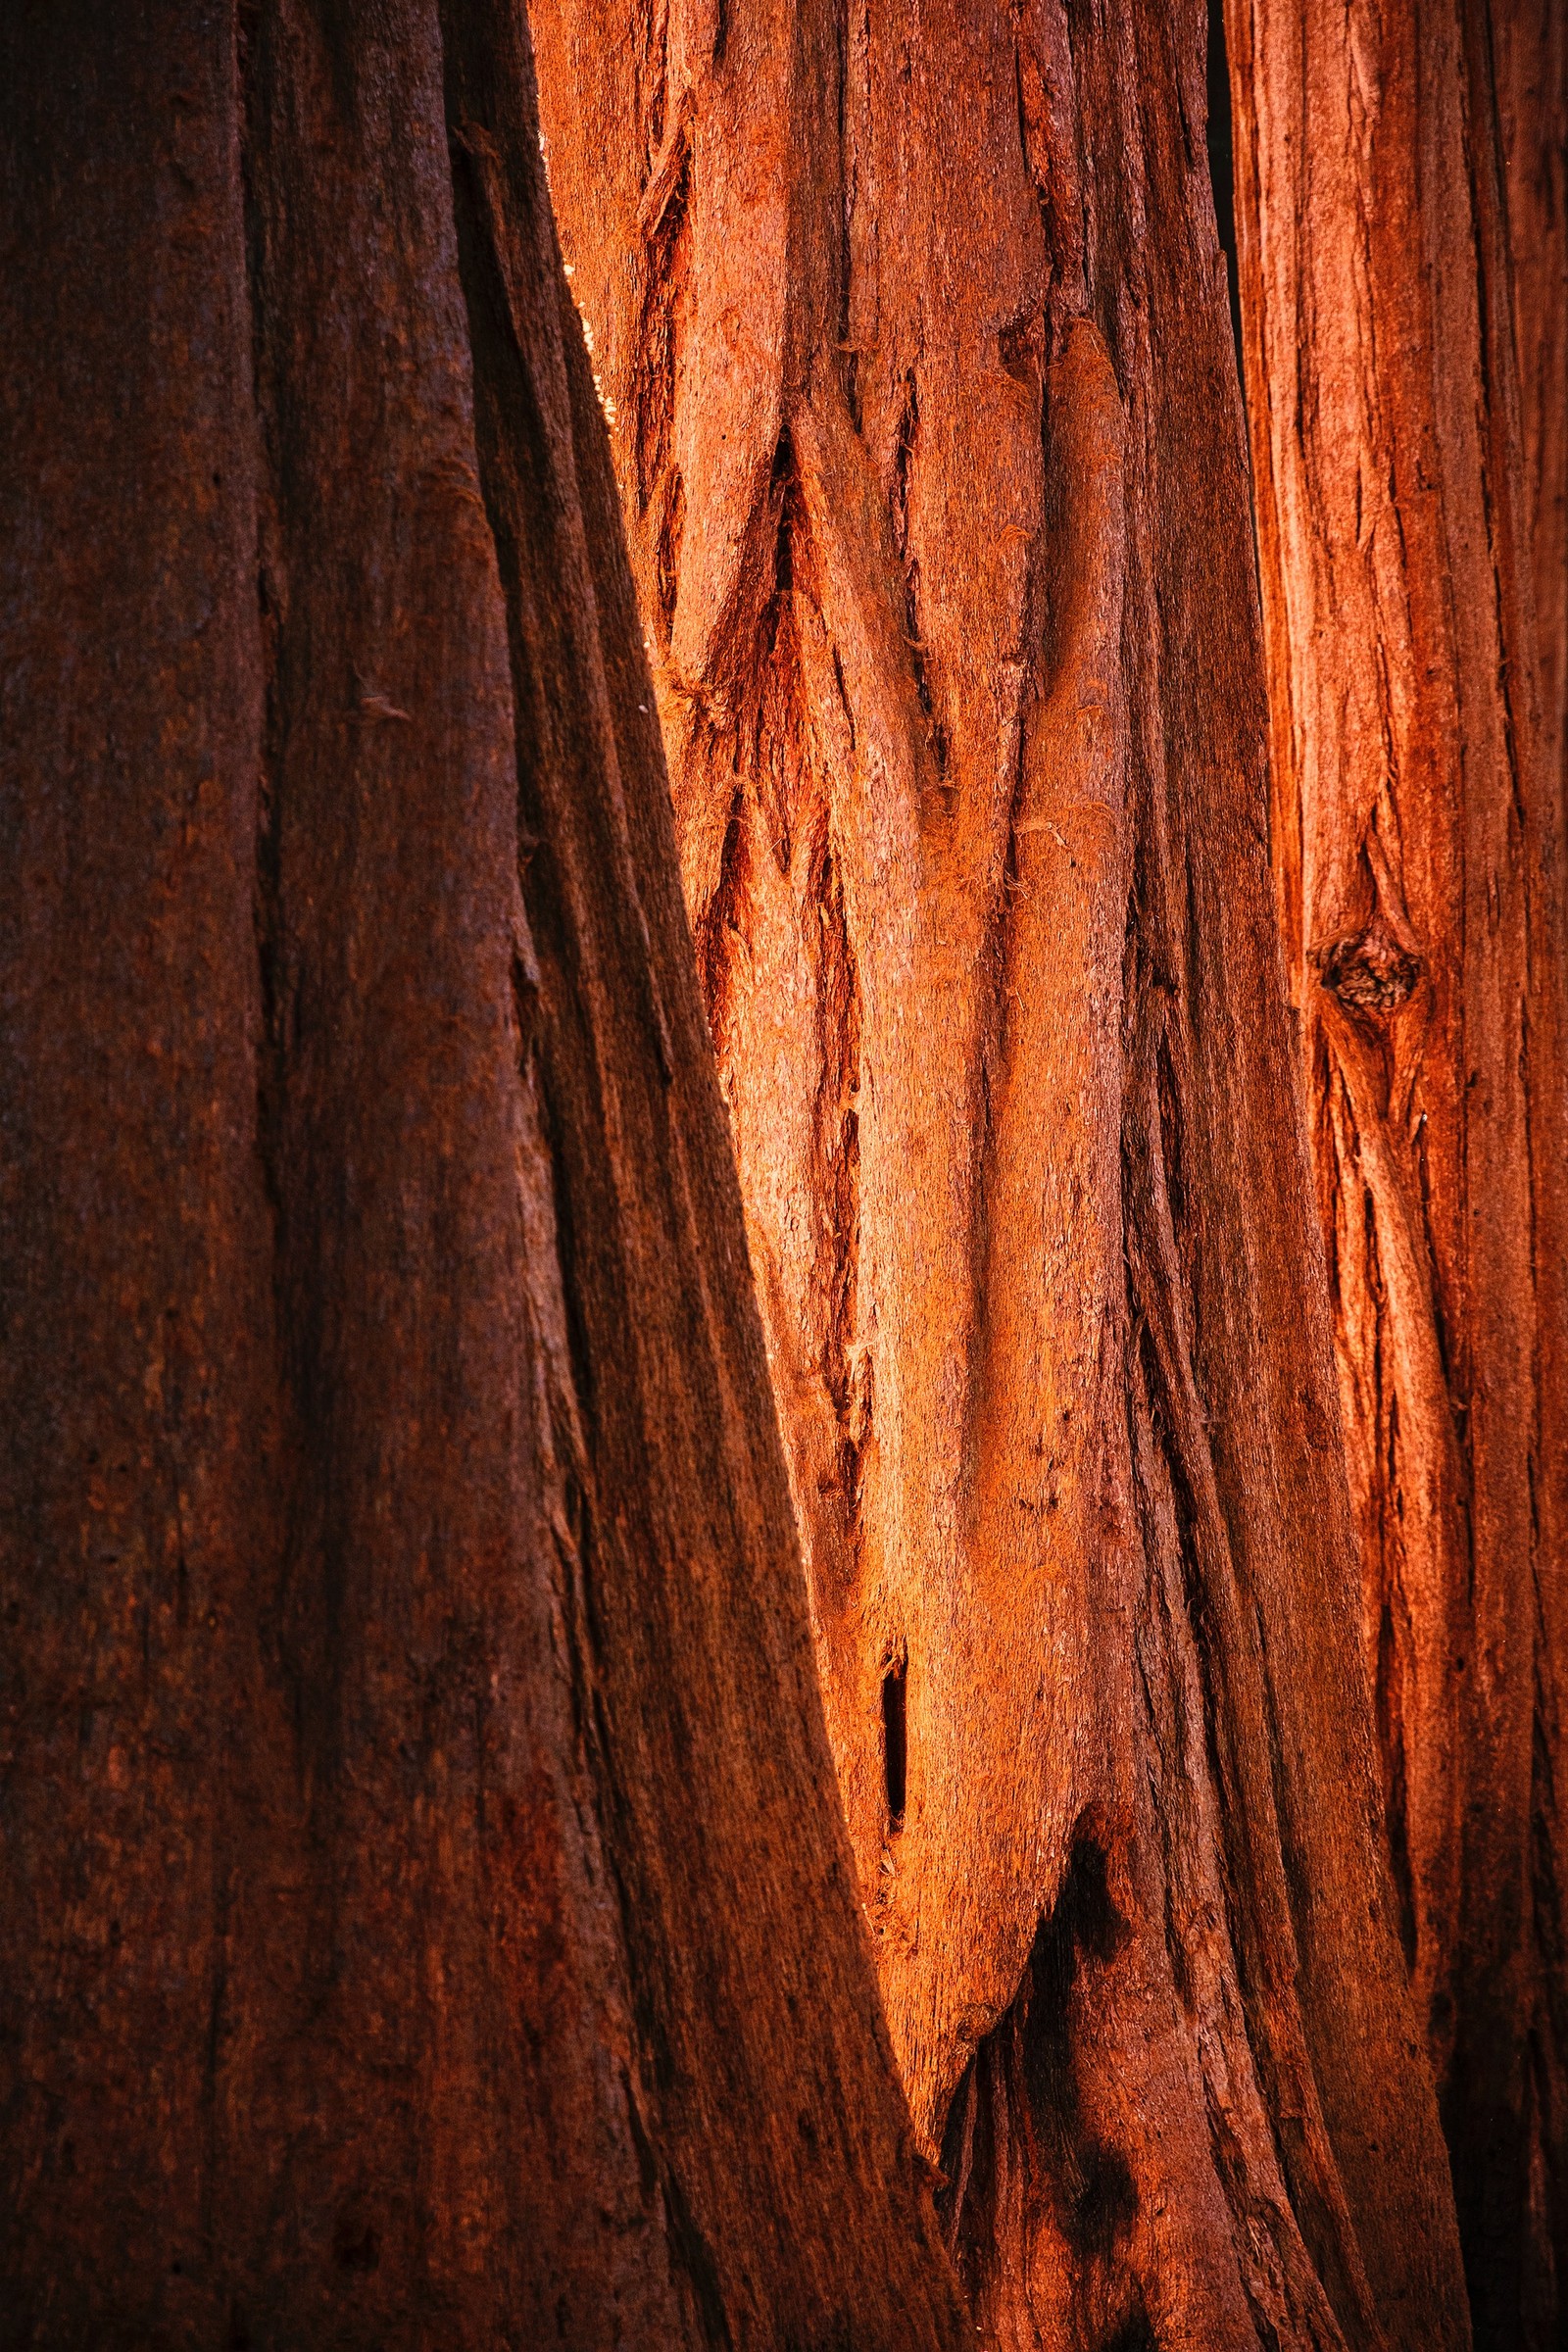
931,453
425,1921
1409,406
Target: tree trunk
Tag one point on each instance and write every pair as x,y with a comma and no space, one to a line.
913,332
426,1919
1418,831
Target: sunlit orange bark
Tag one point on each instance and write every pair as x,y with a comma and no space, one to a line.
913,331
1400,183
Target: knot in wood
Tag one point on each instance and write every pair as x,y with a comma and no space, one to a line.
1372,971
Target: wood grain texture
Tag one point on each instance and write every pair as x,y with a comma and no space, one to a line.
1407,449
427,1921
912,330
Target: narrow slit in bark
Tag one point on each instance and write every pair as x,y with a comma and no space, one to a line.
1221,160
896,1738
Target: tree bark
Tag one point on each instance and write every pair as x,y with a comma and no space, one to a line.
1529,56
914,334
427,1917
1409,464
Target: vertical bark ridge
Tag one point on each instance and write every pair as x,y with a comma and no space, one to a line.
1530,55
139,1407
1400,348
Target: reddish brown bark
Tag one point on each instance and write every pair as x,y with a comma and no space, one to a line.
426,1920
1408,503
914,331
1529,56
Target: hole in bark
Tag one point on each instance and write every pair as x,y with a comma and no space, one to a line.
896,1738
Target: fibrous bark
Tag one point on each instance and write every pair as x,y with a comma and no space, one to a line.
1408,459
913,332
426,1920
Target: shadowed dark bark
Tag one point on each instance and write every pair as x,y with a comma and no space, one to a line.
427,1917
